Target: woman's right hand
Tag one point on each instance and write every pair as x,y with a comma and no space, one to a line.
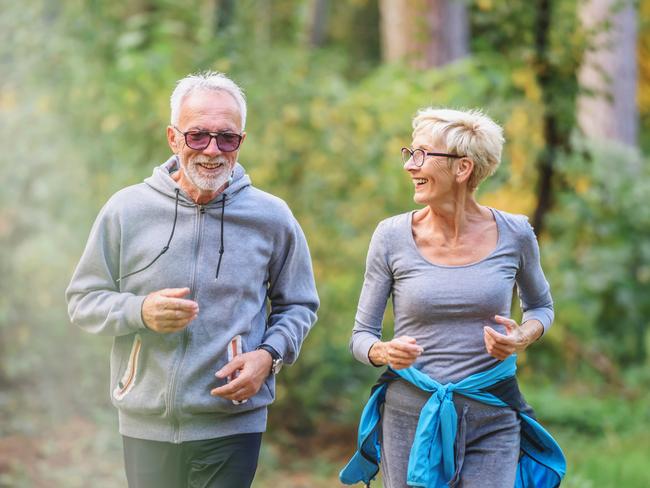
399,353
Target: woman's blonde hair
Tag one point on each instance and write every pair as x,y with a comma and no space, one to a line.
468,133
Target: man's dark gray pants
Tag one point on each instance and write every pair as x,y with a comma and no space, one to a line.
225,462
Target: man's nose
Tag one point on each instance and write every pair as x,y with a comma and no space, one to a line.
212,150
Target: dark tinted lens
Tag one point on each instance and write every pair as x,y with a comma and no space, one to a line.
406,155
228,142
197,139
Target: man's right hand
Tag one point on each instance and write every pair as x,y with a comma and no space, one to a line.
166,311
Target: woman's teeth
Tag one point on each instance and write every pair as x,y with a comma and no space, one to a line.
419,181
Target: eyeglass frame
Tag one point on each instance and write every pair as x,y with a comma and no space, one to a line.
425,154
213,135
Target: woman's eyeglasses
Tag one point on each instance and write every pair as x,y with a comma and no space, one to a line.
418,155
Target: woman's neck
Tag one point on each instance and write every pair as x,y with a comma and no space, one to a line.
452,218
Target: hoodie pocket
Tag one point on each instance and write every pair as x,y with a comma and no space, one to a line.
197,399
129,378
142,366
207,404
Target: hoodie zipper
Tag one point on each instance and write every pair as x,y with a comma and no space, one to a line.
186,333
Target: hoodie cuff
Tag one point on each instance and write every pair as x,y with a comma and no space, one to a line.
277,342
133,312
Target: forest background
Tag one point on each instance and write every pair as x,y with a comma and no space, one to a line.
332,87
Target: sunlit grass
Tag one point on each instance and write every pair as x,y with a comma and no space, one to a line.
605,437
615,460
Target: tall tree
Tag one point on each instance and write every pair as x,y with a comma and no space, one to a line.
224,14
425,33
318,24
608,74
554,138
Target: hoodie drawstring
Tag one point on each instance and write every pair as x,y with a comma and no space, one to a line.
221,248
164,249
171,236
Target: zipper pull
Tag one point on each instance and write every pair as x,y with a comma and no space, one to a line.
202,209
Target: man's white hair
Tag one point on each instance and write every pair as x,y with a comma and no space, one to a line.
468,133
206,80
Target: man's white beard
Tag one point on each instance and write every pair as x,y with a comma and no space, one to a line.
207,183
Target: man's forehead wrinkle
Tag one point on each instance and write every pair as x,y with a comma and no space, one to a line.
205,118
199,97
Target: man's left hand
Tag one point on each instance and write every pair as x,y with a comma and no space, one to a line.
516,339
254,367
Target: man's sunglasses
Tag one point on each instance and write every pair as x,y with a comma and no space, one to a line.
199,139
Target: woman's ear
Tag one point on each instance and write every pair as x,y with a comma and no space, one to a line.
464,169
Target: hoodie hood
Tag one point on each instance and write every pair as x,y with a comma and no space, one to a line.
161,181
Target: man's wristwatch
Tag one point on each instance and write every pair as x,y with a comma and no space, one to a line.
276,365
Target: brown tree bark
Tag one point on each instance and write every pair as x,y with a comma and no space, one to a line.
553,138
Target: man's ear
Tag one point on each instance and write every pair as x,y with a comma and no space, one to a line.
173,139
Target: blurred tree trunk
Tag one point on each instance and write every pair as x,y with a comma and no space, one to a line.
318,24
224,14
425,33
609,72
553,136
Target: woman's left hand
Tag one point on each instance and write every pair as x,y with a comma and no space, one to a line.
517,337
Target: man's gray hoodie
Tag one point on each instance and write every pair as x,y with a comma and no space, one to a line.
161,382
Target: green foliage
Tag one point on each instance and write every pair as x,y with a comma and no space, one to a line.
600,263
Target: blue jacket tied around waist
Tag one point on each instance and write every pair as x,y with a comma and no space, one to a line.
431,461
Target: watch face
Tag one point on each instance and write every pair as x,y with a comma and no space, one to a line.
276,366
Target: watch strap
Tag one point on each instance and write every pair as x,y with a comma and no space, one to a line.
271,350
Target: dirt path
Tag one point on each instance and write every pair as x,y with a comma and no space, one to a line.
70,455
82,454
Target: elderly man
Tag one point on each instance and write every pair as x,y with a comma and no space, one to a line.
178,270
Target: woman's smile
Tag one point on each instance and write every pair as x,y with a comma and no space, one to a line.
418,182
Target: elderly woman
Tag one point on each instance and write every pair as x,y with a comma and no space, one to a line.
450,268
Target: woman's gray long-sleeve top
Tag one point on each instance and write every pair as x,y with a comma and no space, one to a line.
446,307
